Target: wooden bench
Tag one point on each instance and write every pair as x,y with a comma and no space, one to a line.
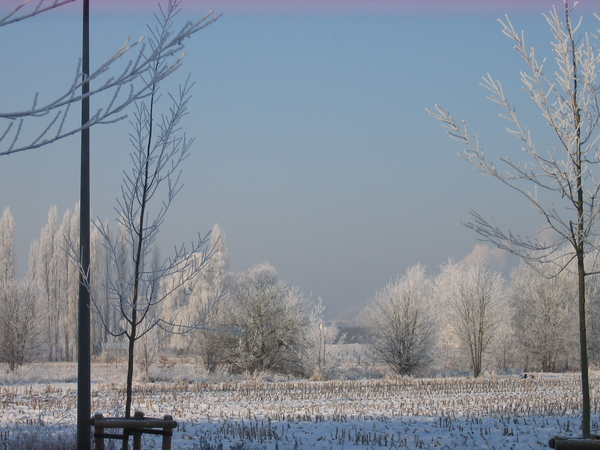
135,427
559,443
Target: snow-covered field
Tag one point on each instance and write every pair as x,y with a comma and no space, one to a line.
270,412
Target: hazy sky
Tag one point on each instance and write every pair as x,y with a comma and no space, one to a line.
313,148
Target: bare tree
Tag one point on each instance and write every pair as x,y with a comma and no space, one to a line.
568,100
545,315
267,318
48,122
210,340
401,323
149,347
474,296
504,348
320,355
18,313
159,148
18,308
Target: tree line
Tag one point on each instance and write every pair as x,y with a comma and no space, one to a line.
466,317
248,322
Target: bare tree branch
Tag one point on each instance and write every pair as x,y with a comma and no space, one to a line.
152,63
41,7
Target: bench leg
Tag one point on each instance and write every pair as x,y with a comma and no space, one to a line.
166,442
99,441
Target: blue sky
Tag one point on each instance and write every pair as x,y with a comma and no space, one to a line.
313,147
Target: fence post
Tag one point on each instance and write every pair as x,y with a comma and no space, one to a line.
98,441
166,442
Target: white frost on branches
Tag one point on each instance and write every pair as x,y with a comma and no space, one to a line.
568,101
16,15
153,62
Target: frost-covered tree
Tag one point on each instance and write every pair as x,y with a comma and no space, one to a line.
195,300
101,271
159,148
474,299
7,246
210,341
200,300
44,272
149,347
68,284
217,270
56,275
18,314
119,82
401,322
504,350
545,318
267,319
567,97
214,286
18,301
592,296
319,355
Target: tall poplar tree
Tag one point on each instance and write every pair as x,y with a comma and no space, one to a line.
7,246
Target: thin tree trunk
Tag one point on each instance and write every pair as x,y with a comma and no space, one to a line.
585,382
138,263
579,241
130,361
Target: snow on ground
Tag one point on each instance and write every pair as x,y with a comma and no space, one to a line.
271,412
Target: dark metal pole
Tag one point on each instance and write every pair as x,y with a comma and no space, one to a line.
84,361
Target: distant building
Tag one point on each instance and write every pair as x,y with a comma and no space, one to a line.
352,335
